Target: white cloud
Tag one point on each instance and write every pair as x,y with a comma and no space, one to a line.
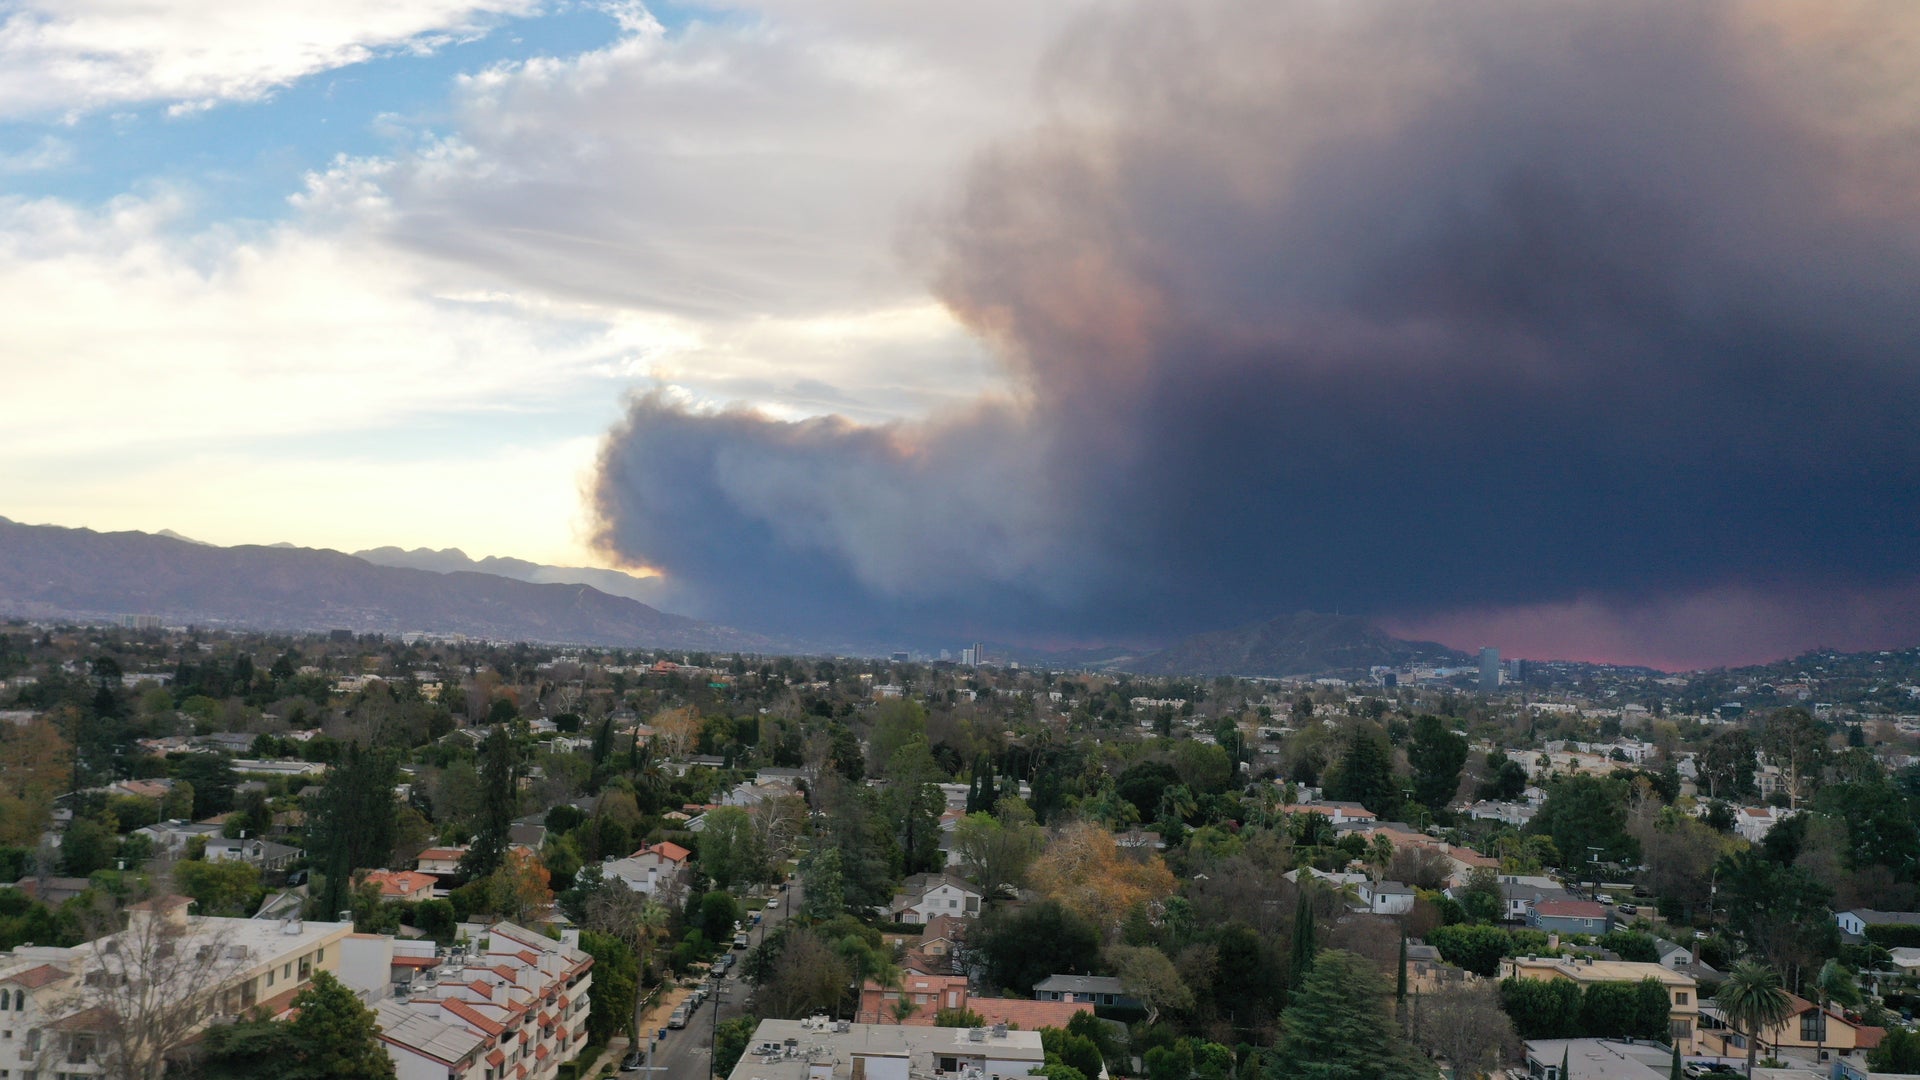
719,211
71,56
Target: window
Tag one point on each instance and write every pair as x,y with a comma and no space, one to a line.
320,956
286,969
1813,1026
270,974
1680,1030
1679,997
306,968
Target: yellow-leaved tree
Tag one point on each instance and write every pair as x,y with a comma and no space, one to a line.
1085,870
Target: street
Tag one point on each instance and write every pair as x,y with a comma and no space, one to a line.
686,1054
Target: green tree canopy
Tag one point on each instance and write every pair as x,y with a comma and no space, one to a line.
1339,1027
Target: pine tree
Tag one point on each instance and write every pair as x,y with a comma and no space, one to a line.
353,823
499,801
1400,971
1338,1027
1303,940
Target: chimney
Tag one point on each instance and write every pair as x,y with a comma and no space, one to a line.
1553,940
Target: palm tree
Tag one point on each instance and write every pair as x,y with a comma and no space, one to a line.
1753,1000
1834,985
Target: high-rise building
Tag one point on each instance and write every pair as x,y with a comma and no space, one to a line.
1489,670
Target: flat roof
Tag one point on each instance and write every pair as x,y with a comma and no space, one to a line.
817,1043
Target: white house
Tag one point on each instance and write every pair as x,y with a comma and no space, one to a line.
927,895
1387,897
652,868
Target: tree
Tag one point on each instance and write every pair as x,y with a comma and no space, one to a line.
334,1036
1481,897
351,822
1365,773
1794,741
1506,779
1339,1027
213,782
824,896
616,982
1582,813
1474,948
730,1040
808,976
1150,977
1465,1026
499,803
34,764
1782,912
1436,755
995,856
896,723
1625,1010
1752,1000
228,887
1083,869
89,844
1304,946
730,850
1898,1052
1834,985
914,803
1542,1008
1022,947
1726,765
517,890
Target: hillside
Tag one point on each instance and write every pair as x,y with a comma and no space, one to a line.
1305,643
453,560
48,571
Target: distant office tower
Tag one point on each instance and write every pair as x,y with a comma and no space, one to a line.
1520,672
968,658
1489,670
899,658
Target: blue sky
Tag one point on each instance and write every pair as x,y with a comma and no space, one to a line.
239,160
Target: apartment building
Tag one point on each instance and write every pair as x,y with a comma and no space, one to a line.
59,1003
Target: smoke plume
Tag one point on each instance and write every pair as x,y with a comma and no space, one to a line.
1401,308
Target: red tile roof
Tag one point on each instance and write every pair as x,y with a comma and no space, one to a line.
36,977
472,1016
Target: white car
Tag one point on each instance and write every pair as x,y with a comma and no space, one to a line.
773,905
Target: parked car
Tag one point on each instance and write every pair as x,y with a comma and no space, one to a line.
679,1018
773,903
739,941
1629,909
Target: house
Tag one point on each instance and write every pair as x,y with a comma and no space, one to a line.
440,861
927,895
1856,922
1570,917
1755,822
1103,990
1684,1018
820,1049
403,884
255,851
1427,973
141,789
937,949
170,837
650,869
925,996
1518,897
1339,813
1387,897
53,891
1807,1027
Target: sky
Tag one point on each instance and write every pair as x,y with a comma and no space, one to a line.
1582,330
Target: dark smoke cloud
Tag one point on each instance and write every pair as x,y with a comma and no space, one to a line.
1388,307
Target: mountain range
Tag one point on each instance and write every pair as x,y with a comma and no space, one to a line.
50,571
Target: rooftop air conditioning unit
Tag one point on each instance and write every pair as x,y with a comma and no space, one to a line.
976,1034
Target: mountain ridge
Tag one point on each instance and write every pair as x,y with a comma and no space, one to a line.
65,572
